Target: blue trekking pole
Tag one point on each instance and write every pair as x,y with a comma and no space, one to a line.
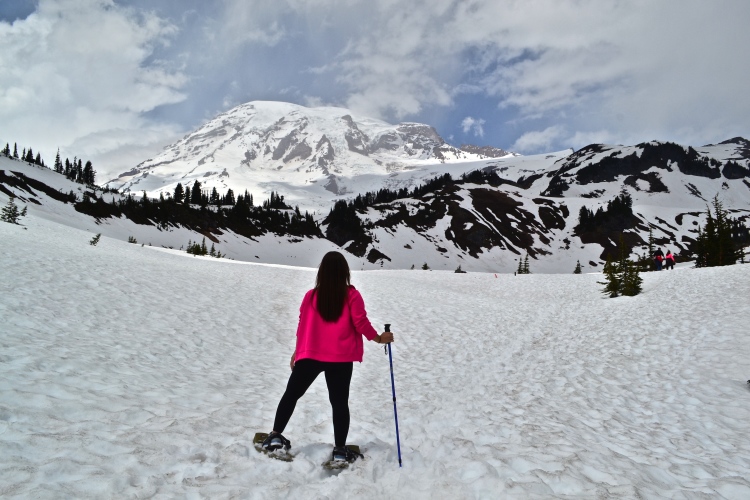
393,388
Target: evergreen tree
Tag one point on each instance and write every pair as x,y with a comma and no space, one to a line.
611,281
520,266
425,267
714,245
58,164
631,280
179,193
196,196
6,151
187,195
229,198
10,212
15,150
526,264
95,239
89,174
38,160
79,172
621,277
577,270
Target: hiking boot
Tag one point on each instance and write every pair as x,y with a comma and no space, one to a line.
275,441
344,454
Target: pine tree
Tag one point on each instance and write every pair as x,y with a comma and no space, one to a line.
229,198
520,267
58,164
10,212
577,270
179,193
79,172
526,264
621,277
89,174
631,280
714,245
425,267
196,196
95,239
15,150
611,281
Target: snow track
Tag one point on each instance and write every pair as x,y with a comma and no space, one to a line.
127,371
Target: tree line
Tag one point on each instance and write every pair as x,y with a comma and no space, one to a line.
76,170
344,224
204,211
617,215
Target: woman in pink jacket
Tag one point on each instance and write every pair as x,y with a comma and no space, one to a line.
332,322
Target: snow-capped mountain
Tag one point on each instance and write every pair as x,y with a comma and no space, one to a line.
313,155
403,211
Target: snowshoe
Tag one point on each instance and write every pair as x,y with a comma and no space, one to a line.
274,445
342,457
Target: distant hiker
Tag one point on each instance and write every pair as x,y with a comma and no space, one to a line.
658,259
332,322
669,260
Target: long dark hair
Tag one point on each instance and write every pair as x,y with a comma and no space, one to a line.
332,285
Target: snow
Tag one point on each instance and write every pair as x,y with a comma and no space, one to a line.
132,371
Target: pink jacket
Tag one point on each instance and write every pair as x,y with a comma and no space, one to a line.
340,341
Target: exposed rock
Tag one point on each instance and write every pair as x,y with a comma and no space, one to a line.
301,150
486,151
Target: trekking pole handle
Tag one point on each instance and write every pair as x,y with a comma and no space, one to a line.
387,329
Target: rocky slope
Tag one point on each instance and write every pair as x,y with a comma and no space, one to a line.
406,198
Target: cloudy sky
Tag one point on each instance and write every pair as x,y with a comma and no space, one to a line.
116,80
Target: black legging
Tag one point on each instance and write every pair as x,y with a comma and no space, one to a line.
338,378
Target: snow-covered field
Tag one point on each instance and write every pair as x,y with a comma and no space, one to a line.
136,372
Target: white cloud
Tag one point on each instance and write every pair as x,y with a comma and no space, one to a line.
76,70
538,140
637,67
618,71
475,125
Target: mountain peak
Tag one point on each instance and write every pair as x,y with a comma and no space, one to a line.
263,142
